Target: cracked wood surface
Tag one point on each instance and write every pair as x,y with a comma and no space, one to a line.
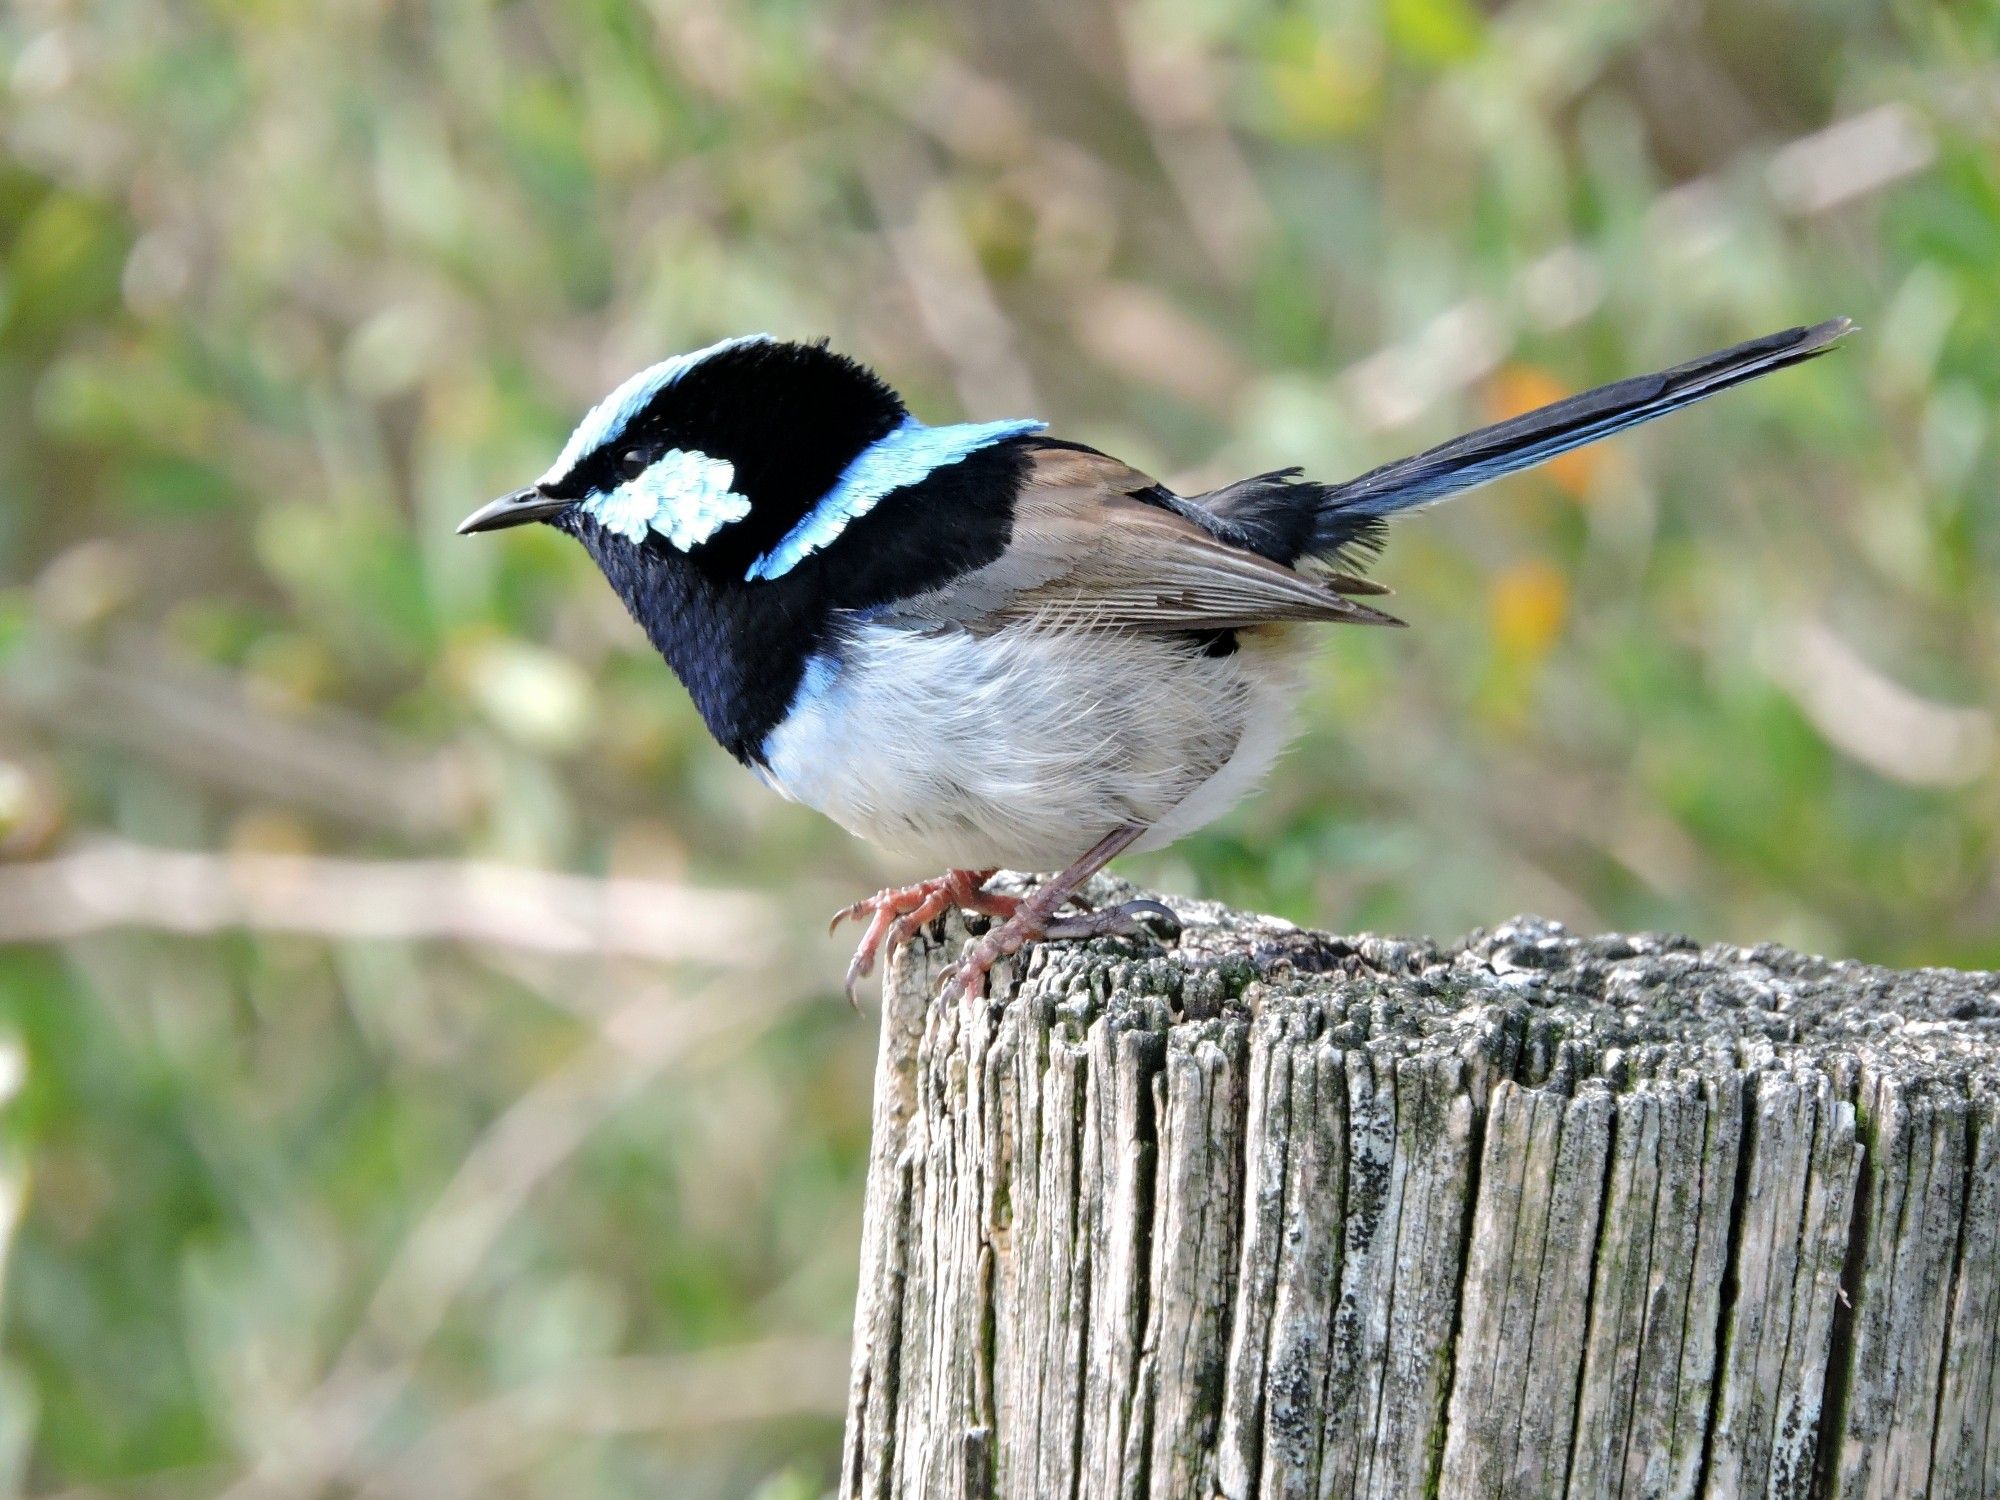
1278,1214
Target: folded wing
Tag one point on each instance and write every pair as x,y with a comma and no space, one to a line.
1097,544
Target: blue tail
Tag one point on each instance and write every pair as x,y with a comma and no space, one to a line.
1350,511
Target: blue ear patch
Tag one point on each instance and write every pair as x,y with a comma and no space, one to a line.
902,458
683,495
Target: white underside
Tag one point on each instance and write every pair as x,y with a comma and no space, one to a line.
1025,746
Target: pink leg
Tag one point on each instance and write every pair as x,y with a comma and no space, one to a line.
894,915
1036,918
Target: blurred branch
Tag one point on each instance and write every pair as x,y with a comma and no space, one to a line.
1813,174
1465,343
117,884
953,298
1128,326
1873,718
18,1407
1850,159
201,723
1174,90
768,1381
321,1438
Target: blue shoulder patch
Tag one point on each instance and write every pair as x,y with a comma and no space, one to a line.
901,458
604,421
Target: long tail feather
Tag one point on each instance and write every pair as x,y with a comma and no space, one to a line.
1522,442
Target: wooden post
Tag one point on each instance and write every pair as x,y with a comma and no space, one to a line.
1278,1214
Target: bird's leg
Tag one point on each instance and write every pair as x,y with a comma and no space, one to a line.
894,915
1036,918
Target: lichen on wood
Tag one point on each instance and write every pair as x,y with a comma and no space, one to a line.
1275,1214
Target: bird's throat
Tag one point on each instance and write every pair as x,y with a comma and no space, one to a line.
740,653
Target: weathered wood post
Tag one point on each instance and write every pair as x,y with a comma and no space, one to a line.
1278,1214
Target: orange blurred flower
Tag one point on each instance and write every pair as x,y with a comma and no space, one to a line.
1527,607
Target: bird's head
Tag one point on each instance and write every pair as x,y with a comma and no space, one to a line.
713,459
740,497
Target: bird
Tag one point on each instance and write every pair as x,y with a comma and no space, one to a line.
981,646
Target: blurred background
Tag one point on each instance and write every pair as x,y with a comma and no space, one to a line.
421,1071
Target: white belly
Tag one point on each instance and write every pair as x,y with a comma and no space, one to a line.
1026,746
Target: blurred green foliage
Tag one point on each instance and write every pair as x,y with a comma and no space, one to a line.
286,288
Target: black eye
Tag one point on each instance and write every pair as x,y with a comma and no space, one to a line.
634,462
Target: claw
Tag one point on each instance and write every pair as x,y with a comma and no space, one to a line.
964,980
863,963
897,914
1165,916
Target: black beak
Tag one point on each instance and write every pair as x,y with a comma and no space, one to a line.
516,509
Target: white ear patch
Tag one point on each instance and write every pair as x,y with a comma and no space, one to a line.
684,495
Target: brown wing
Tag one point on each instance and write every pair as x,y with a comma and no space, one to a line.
1085,550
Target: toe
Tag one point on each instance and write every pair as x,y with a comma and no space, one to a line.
1158,915
1132,919
912,922
951,981
858,968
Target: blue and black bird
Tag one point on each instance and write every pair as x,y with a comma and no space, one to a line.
981,646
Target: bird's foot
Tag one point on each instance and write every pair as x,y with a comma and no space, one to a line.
1036,921
895,915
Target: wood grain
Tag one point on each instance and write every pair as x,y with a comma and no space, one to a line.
1279,1214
